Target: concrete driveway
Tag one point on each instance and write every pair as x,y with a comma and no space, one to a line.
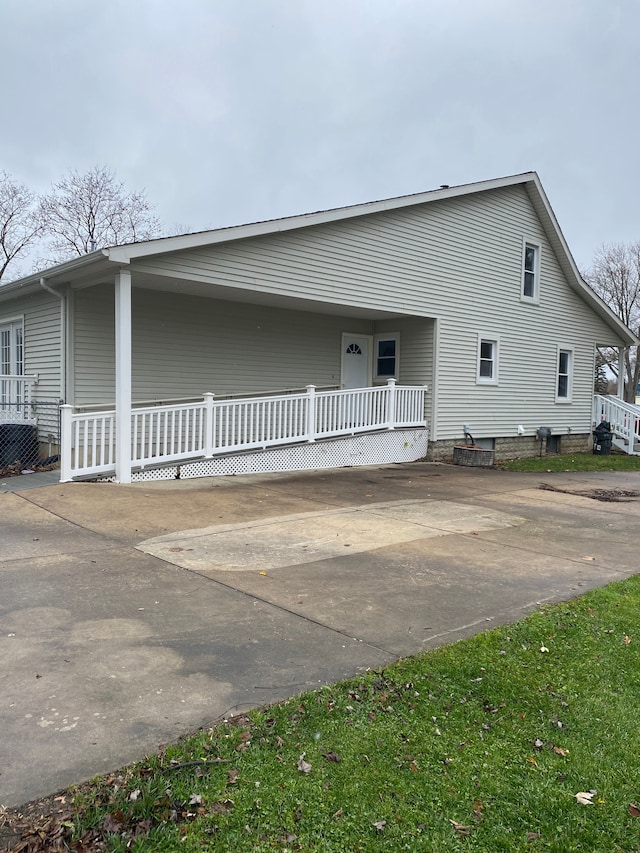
131,615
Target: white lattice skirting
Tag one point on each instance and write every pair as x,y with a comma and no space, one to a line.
400,445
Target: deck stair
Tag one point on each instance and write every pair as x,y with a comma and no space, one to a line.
624,419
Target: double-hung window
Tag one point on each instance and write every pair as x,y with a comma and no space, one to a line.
487,366
531,272
564,381
386,356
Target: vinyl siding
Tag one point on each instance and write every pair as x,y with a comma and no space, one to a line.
456,261
41,317
186,345
416,353
42,353
94,346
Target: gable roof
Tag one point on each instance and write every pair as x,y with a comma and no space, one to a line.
103,259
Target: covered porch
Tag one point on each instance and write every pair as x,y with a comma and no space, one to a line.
291,383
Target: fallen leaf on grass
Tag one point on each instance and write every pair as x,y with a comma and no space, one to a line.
113,821
560,751
544,649
633,810
133,796
245,741
232,776
303,766
627,640
533,836
584,798
460,828
338,814
222,807
195,800
380,825
332,756
143,827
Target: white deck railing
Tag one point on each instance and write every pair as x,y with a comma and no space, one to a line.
16,398
209,427
624,419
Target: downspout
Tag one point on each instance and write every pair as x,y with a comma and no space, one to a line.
63,337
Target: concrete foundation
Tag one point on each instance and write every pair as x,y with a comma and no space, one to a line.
515,447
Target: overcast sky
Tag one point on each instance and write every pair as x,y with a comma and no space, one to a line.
229,111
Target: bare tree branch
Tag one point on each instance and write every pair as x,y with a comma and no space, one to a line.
93,210
615,276
20,224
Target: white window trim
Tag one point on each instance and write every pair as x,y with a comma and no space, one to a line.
386,336
495,340
535,299
13,323
571,351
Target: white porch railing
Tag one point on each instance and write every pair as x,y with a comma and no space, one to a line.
209,427
624,419
16,398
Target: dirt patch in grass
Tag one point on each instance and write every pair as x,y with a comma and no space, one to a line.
608,495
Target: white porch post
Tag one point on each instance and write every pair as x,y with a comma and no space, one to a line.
65,443
123,376
311,414
208,424
621,352
391,403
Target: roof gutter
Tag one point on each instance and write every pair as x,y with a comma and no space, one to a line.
55,272
43,283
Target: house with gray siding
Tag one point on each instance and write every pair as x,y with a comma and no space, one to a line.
369,333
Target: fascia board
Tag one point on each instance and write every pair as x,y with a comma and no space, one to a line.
568,265
61,273
131,251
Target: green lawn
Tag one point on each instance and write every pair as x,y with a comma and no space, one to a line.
574,462
477,746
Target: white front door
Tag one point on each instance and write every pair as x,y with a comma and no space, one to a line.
356,361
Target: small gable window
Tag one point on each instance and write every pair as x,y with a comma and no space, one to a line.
531,273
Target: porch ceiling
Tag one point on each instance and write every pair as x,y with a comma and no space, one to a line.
148,281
